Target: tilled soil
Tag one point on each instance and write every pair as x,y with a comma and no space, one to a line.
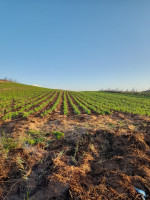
99,158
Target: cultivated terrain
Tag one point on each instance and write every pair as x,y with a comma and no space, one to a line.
57,144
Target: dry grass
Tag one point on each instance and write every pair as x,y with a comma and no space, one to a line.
88,162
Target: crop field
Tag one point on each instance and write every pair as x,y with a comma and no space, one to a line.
18,100
67,145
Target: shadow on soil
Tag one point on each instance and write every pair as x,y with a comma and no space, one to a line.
96,165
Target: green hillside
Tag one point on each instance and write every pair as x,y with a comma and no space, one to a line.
19,100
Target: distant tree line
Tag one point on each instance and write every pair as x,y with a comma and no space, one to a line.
133,91
8,80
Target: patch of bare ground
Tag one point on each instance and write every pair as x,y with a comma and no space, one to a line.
99,157
5,81
5,89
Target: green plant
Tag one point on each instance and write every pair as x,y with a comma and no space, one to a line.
111,124
20,162
24,100
34,141
75,108
9,143
73,158
58,134
61,153
65,106
81,104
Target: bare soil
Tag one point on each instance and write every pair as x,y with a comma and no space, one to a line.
5,81
5,88
99,158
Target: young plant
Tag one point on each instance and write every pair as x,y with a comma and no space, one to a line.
58,134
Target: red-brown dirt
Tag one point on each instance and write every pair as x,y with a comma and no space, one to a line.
99,157
5,89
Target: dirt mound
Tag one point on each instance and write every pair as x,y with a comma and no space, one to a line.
98,158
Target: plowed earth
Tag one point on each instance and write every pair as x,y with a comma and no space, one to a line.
99,158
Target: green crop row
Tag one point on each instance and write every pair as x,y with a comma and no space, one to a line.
24,100
75,108
24,103
94,106
84,107
25,109
40,107
65,106
119,102
54,105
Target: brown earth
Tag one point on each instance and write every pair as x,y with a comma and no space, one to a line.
99,158
6,81
5,89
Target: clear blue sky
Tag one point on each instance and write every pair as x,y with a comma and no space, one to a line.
76,45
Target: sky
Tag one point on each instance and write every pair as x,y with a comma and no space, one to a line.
76,45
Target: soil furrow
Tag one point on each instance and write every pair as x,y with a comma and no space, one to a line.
17,109
80,108
60,107
13,103
92,111
37,105
70,108
48,106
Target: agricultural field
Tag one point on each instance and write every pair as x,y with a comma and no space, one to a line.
57,144
17,100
